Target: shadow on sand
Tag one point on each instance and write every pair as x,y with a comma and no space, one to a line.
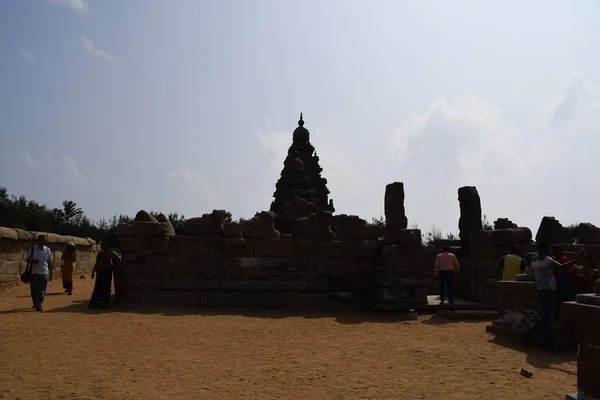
438,319
341,315
542,359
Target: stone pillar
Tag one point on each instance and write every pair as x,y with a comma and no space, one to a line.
584,315
470,215
395,215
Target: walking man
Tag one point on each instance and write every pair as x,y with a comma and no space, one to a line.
446,266
511,265
40,258
544,268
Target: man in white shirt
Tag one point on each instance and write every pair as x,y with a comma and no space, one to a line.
40,258
544,268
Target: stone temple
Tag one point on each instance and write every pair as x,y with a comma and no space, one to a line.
300,190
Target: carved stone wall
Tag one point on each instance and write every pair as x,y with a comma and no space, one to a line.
228,264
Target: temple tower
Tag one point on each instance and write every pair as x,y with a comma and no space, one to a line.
300,190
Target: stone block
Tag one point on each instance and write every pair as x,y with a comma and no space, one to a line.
139,282
161,261
265,299
337,265
188,284
336,249
261,225
315,226
207,225
211,244
276,248
482,251
154,244
588,234
268,263
136,229
367,248
233,230
235,245
395,216
264,285
470,213
408,236
8,233
405,263
184,247
352,227
12,255
11,267
588,369
304,247
158,244
132,244
209,265
25,235
481,238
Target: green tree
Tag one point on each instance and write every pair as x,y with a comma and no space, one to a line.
71,212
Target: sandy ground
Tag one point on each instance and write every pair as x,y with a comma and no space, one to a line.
68,352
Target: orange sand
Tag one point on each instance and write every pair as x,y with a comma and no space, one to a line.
152,353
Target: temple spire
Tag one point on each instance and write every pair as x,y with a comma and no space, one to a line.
301,122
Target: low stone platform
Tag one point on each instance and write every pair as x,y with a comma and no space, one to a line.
584,315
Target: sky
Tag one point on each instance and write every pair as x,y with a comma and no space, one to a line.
189,105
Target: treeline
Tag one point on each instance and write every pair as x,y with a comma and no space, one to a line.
20,212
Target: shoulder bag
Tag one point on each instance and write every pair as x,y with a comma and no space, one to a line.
26,275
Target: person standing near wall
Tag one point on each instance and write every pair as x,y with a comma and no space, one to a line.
40,258
511,265
68,257
544,269
446,266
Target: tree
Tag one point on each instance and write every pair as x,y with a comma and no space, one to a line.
71,211
379,222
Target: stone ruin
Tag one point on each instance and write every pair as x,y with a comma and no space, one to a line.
300,254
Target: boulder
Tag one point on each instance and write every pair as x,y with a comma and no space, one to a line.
587,234
170,230
552,231
504,223
144,216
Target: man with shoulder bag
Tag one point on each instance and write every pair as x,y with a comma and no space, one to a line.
40,263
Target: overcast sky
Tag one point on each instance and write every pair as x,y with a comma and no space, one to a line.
189,105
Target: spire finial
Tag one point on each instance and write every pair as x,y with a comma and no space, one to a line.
301,122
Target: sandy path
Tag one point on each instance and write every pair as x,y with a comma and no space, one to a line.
68,352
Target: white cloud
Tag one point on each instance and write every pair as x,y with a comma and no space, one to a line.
194,185
53,166
76,5
29,161
345,181
27,56
73,171
523,171
91,49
